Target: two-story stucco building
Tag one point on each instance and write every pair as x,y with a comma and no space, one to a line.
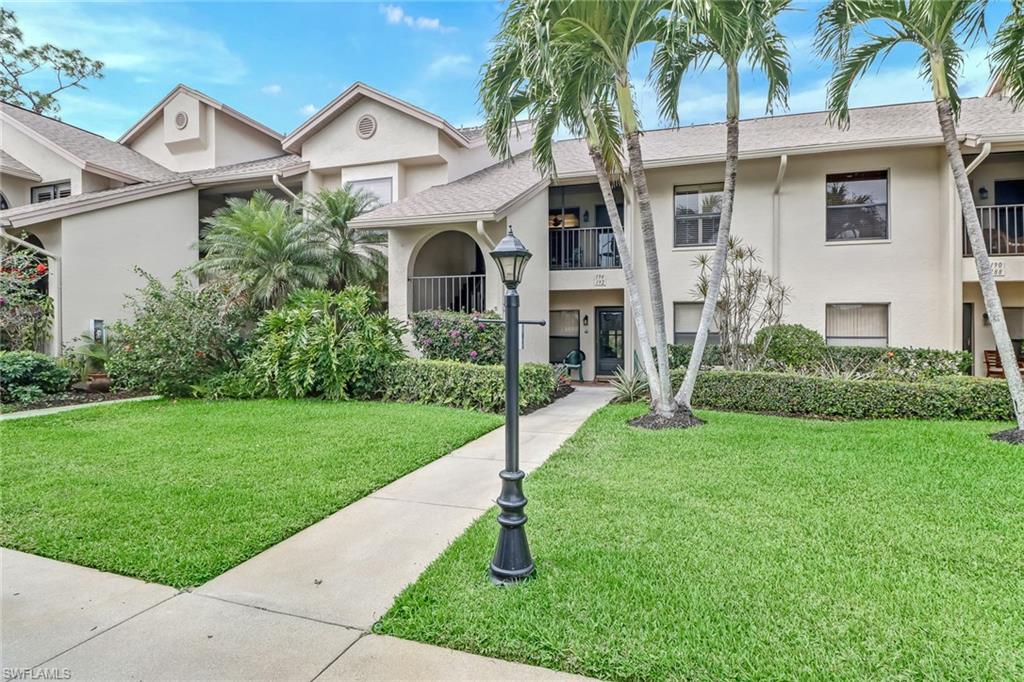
862,225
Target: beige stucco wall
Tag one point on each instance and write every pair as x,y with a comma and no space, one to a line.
584,302
49,165
101,248
236,142
18,191
1011,295
998,166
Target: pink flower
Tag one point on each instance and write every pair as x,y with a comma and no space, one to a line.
427,342
473,354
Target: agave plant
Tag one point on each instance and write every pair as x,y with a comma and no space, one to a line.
629,388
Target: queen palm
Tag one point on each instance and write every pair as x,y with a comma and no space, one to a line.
262,249
939,30
559,83
726,31
356,256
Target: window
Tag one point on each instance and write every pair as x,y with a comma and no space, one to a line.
687,319
857,206
698,211
857,324
50,192
378,187
565,333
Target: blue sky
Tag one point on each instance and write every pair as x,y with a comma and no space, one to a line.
279,62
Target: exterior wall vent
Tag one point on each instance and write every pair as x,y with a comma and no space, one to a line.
366,126
180,120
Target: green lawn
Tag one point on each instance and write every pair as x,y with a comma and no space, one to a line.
752,547
179,492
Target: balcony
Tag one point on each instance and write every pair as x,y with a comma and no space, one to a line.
1002,228
461,293
583,248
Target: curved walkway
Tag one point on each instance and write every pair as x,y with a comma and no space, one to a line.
300,610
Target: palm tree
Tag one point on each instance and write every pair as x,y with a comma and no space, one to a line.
356,256
727,31
556,83
262,249
938,29
1007,55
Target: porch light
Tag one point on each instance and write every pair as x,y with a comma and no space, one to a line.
511,256
983,193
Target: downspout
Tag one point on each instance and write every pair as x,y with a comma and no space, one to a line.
483,235
986,149
55,268
777,216
276,177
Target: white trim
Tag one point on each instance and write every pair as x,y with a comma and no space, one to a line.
58,208
28,174
293,141
148,117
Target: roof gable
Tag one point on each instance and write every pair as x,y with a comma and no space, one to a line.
293,141
151,116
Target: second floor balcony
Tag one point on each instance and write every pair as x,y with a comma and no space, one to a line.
583,248
1002,229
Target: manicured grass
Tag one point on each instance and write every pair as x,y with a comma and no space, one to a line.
752,547
179,492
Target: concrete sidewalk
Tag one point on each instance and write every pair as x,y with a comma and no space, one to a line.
300,610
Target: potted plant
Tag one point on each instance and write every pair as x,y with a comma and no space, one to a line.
94,354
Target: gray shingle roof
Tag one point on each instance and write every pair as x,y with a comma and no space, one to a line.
265,166
9,163
493,188
89,147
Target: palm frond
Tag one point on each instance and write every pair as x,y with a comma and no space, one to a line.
1007,53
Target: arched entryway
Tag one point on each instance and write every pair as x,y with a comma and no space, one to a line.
448,273
42,285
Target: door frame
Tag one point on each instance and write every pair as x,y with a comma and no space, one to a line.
967,331
597,336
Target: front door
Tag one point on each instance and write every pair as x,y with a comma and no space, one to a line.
611,339
969,331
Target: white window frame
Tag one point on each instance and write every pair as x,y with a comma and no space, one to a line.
361,184
888,323
699,188
714,336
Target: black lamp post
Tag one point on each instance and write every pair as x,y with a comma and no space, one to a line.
512,561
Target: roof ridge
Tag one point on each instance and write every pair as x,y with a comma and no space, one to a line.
63,123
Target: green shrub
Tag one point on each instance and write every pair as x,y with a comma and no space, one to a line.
323,344
679,356
177,338
800,394
26,376
629,388
790,345
447,335
466,386
26,312
906,364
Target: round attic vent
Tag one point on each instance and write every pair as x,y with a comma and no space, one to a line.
366,126
181,120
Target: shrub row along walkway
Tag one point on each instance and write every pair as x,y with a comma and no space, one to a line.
300,610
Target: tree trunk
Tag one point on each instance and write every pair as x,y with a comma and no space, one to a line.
628,271
993,306
685,393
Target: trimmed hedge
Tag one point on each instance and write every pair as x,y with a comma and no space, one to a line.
466,386
799,394
679,355
790,345
923,363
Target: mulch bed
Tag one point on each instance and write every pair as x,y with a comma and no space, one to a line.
71,398
1013,436
560,392
681,420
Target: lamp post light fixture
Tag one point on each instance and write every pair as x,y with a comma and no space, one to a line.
512,561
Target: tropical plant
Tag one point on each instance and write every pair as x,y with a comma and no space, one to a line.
629,388
726,32
262,249
175,338
451,335
750,301
324,344
20,68
94,354
26,311
356,257
542,65
855,34
26,376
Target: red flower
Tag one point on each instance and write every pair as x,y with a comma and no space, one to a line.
41,268
200,354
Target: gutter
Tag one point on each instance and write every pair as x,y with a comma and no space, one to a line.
276,178
777,216
986,149
56,269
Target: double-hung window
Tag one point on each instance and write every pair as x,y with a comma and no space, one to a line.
698,211
50,192
378,187
857,324
857,206
687,320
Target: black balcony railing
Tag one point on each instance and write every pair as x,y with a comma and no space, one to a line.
583,248
463,293
1002,229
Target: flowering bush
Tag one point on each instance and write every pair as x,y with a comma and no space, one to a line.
26,312
179,336
447,335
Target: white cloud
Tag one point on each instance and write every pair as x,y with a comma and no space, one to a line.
128,40
308,110
272,89
450,65
395,16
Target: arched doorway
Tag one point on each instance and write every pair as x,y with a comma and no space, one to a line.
42,285
448,274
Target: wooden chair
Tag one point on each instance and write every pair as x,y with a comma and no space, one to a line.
993,366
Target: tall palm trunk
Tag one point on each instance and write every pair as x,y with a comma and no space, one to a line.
993,306
628,271
732,152
664,405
